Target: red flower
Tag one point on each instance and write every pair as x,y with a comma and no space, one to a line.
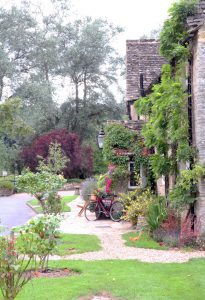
108,183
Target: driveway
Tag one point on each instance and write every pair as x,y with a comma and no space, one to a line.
14,211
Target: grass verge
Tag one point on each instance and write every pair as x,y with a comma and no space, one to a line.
125,280
77,243
65,200
145,241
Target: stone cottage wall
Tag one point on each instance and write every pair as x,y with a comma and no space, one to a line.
199,117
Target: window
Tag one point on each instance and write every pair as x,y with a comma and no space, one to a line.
132,183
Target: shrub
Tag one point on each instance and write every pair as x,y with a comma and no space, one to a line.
169,230
188,233
99,163
88,187
8,185
53,204
136,204
120,177
171,223
80,157
56,161
156,214
14,266
42,185
43,230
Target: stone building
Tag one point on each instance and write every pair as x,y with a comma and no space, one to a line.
197,73
143,70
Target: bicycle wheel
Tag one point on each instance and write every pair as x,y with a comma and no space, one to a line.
116,211
92,211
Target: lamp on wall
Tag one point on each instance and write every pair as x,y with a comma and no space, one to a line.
100,138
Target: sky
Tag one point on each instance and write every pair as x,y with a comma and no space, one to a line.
136,17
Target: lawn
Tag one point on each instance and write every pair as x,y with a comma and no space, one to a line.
145,241
65,200
128,280
74,243
77,243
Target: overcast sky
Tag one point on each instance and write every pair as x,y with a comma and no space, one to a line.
137,17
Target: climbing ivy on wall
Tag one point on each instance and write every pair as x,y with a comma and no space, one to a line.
173,37
166,107
117,136
167,126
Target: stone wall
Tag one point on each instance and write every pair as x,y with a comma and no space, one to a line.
198,18
199,116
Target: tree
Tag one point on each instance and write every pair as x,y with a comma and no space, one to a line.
38,108
38,57
71,147
16,39
56,160
12,128
12,124
91,64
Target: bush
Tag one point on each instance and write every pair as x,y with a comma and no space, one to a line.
53,204
43,230
13,267
80,157
157,213
8,185
169,230
42,185
188,234
136,204
88,187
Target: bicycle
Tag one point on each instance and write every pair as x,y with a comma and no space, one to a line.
107,206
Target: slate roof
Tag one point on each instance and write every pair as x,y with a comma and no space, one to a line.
142,58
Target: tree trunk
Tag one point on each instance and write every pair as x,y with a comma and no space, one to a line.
166,185
1,87
85,87
76,97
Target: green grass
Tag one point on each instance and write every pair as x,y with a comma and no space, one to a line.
65,200
128,280
74,243
77,243
145,241
75,180
7,178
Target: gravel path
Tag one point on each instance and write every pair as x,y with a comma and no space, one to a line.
112,244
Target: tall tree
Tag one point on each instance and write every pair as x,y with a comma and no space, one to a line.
16,38
91,63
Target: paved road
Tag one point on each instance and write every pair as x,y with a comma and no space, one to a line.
14,211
